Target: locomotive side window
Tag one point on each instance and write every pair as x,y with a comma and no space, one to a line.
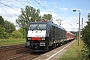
37,27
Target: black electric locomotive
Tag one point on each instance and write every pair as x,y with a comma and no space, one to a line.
41,36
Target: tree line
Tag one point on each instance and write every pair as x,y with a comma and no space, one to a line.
6,28
86,40
29,14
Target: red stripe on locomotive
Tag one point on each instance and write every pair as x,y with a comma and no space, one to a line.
36,38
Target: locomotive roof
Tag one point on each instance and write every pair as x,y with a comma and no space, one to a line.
51,23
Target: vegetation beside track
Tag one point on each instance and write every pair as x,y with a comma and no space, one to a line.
73,53
11,41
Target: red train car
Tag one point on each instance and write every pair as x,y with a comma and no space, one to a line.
69,36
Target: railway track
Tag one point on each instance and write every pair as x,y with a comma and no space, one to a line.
25,56
16,52
11,47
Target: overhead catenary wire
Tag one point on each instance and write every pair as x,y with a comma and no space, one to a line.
21,2
52,5
58,19
24,4
42,6
9,6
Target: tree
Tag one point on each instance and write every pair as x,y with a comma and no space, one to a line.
47,16
86,39
1,21
9,27
29,14
89,16
2,30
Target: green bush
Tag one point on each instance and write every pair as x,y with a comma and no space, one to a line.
6,35
16,34
23,31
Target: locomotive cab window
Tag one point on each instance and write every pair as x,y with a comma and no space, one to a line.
37,26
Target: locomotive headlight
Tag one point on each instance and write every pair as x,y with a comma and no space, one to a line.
43,38
29,38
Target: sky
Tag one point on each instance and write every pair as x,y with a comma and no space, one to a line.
61,10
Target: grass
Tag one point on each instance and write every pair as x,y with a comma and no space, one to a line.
4,42
73,53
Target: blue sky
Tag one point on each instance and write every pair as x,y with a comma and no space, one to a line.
60,9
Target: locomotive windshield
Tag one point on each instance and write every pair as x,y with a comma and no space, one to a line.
36,26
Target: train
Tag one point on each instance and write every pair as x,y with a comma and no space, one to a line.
46,35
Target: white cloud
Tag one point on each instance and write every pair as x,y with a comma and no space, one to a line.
9,14
40,3
56,7
69,25
73,17
63,8
15,12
